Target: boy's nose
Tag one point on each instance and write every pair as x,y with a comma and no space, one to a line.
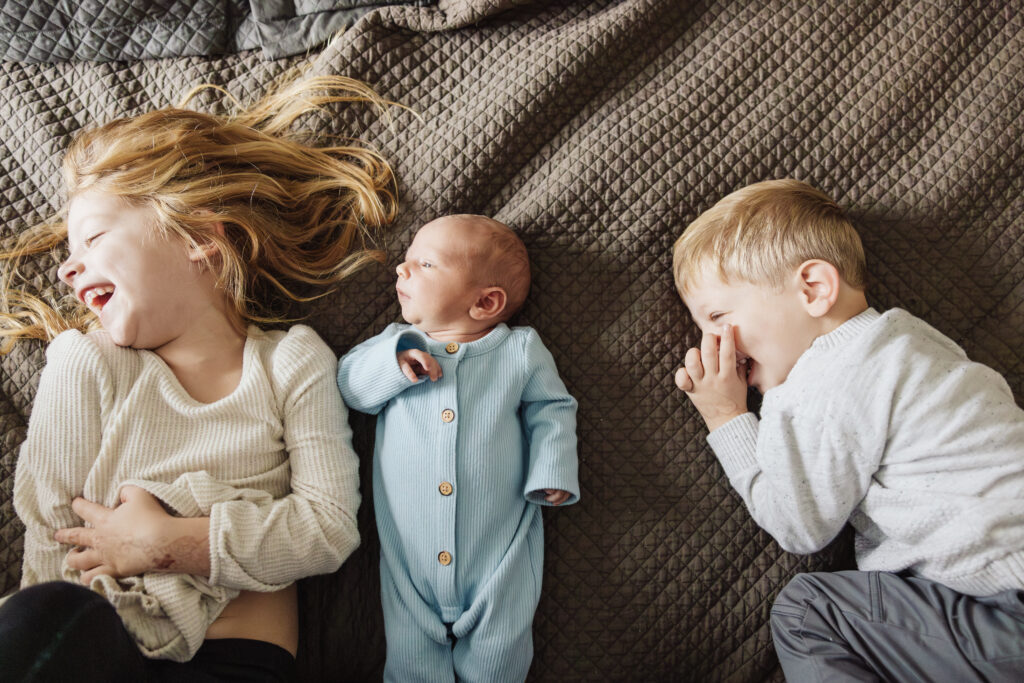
402,270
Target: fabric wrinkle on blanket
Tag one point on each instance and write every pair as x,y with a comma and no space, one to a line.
34,31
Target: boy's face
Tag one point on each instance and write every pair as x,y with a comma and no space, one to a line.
436,283
772,329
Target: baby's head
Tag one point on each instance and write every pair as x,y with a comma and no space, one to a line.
778,261
462,275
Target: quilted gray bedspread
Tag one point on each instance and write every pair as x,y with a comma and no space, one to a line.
117,30
599,130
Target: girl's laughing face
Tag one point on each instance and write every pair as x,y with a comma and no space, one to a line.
138,280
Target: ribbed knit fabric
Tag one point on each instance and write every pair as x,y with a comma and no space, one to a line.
885,422
271,465
510,434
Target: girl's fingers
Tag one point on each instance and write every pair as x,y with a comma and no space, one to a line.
89,511
84,559
88,576
81,536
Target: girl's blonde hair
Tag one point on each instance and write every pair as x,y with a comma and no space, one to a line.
761,233
292,213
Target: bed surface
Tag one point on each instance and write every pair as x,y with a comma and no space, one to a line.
598,130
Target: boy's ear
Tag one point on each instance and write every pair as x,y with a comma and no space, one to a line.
489,304
818,283
207,249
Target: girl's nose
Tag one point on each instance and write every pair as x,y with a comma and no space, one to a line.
69,270
402,270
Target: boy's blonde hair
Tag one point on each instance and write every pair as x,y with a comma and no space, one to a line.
293,213
502,262
762,232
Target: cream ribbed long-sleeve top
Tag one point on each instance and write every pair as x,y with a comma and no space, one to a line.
271,465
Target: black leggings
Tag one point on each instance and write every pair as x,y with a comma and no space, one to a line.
61,631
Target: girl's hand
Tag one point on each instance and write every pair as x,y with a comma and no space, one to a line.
714,381
556,496
415,362
135,537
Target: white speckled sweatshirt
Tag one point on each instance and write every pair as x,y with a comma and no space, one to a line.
271,464
885,422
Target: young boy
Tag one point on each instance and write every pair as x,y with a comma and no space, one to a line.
874,419
475,431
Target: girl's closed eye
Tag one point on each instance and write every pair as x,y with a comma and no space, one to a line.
714,317
92,238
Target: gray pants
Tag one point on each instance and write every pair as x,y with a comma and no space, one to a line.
876,626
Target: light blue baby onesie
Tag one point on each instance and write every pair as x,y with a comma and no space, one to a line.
457,464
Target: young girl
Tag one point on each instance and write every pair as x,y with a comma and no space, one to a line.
211,460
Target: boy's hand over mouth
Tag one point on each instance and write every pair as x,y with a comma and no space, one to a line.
714,380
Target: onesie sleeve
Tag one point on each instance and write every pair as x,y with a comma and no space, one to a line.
369,375
63,441
549,422
312,530
801,477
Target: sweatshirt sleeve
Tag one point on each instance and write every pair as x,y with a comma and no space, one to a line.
63,441
313,529
549,419
369,375
800,477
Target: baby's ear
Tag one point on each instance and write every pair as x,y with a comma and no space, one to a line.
818,282
489,304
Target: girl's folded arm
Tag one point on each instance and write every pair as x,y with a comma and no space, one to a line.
63,441
313,529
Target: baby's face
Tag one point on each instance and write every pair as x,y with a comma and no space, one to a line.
436,283
772,328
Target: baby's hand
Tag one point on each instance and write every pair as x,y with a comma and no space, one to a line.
415,362
713,380
556,496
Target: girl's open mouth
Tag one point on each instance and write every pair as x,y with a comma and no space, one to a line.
97,297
